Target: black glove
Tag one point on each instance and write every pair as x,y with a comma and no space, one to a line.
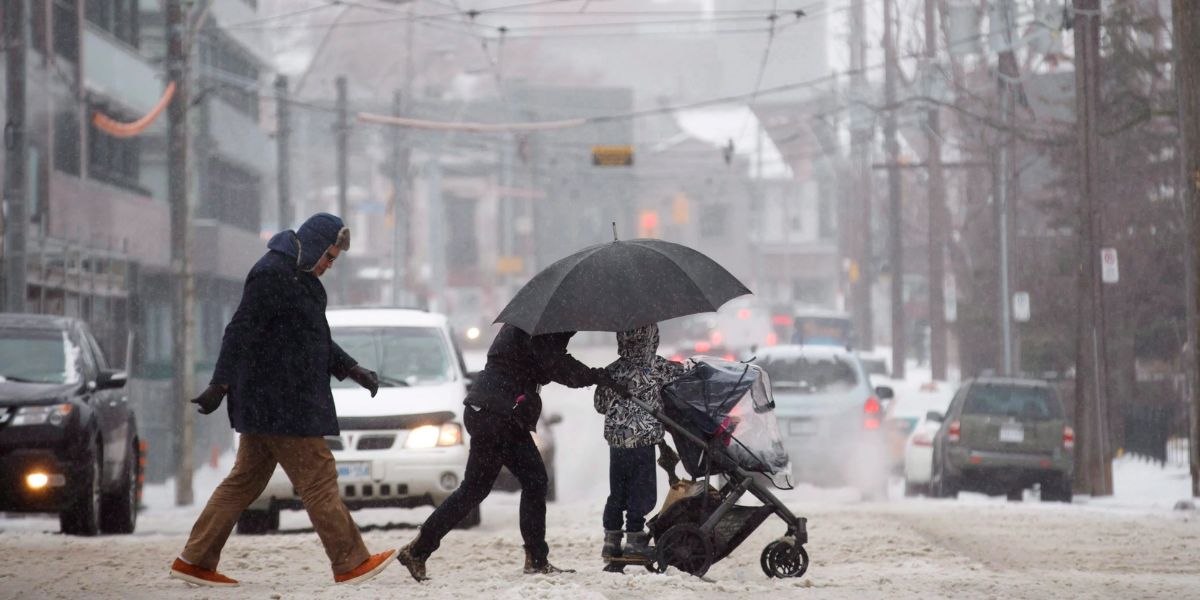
606,380
366,378
209,399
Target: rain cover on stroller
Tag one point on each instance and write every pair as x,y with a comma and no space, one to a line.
729,405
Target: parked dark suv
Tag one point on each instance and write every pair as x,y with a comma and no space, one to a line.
68,439
1000,436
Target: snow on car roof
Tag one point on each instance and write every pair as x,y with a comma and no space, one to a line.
383,317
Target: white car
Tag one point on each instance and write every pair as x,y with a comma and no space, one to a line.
918,457
405,447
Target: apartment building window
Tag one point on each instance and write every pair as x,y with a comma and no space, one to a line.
66,29
231,195
112,159
231,73
712,220
118,17
66,142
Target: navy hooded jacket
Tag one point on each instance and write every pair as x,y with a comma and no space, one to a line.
277,353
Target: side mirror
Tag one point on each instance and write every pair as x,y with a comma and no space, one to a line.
885,393
935,416
553,419
111,379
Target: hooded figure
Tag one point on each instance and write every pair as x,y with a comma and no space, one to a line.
627,425
276,359
631,433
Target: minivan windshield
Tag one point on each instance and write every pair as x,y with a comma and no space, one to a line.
1012,401
38,356
810,374
402,356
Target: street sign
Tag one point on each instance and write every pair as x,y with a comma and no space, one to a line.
612,156
1021,307
1109,271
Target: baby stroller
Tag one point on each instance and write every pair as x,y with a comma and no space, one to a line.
721,417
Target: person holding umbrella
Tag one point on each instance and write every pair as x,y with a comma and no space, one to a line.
503,407
275,362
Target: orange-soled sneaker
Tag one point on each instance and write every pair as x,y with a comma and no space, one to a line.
199,576
370,568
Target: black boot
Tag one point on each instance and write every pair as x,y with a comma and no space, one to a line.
412,561
637,546
612,544
541,566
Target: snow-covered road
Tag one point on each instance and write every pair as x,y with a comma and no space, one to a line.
971,548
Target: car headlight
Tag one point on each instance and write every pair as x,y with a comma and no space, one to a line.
430,436
54,414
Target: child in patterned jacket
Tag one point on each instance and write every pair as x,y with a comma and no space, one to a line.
632,433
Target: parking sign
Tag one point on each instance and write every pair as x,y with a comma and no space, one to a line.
1109,273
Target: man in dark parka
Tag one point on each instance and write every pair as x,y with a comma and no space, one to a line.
276,359
503,407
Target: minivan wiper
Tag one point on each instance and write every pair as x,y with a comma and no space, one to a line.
392,381
16,379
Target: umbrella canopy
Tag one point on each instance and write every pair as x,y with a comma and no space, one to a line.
619,285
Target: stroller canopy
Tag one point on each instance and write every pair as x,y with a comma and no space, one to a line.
728,404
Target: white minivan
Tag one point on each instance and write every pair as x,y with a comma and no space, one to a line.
405,447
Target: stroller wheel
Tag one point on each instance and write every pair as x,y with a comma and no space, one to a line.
686,548
784,559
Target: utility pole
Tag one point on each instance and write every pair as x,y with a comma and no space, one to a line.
400,205
177,197
1093,466
15,219
342,134
283,134
895,217
861,138
1008,75
1186,16
937,212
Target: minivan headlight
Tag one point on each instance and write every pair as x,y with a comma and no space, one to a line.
54,414
430,436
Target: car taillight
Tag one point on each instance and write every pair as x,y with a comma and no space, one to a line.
702,347
922,439
677,358
871,413
729,357
953,431
1068,438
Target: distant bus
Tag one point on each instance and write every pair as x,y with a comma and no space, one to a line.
822,328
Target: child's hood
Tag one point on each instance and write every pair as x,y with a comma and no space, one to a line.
638,345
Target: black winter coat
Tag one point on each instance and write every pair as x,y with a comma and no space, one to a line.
277,354
518,364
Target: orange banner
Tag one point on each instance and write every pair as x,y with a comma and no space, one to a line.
123,130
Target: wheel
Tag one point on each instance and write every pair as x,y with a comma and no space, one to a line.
82,515
118,512
1016,495
915,489
784,559
1058,490
686,548
472,520
258,522
944,486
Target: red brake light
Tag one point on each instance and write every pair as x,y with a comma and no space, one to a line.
703,346
871,413
953,431
728,357
677,358
1068,437
922,439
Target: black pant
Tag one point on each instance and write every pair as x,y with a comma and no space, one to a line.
496,441
632,490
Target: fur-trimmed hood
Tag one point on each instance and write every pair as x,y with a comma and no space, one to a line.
306,246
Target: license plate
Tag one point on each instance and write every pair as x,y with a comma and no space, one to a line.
1012,432
803,427
354,469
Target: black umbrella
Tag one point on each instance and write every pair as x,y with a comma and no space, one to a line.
619,285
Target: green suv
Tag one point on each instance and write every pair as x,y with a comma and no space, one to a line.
1000,436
